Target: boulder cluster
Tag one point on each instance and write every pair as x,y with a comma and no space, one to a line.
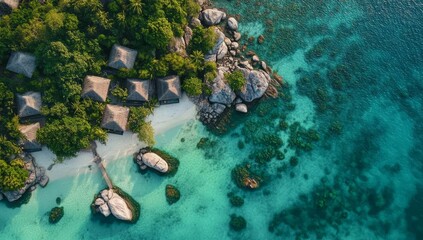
36,176
229,57
108,202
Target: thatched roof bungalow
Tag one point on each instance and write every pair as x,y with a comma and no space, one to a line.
122,57
23,63
115,118
29,104
95,88
29,143
169,89
138,90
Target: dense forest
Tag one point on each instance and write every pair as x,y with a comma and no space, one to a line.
72,39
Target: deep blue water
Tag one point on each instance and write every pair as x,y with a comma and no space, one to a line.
361,64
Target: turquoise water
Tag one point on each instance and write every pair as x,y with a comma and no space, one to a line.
355,73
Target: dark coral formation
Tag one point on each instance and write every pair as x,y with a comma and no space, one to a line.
172,194
56,214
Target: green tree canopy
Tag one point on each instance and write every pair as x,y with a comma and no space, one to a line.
158,33
236,80
13,175
66,136
193,86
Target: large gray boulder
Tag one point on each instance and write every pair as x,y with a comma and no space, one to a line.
221,92
119,208
220,49
257,82
155,161
212,16
232,24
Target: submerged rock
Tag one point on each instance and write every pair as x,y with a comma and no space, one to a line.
212,16
172,194
237,223
155,161
56,214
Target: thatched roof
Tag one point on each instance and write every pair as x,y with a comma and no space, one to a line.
10,3
95,88
29,104
115,118
30,134
122,57
138,90
168,88
23,63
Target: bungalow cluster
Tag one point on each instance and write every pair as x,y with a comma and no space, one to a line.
167,90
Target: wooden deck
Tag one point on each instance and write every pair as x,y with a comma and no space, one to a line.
99,161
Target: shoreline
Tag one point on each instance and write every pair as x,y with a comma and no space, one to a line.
164,118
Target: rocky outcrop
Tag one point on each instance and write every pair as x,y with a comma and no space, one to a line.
104,209
195,22
232,24
212,16
155,161
187,35
209,113
220,49
257,82
36,176
221,92
110,202
177,44
119,208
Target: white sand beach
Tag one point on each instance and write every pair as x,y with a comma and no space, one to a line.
164,118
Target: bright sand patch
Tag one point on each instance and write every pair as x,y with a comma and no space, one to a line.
164,118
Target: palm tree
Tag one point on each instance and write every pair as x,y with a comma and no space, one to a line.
136,6
197,57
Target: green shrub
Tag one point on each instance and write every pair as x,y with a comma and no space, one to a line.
13,175
236,80
192,86
203,39
158,33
